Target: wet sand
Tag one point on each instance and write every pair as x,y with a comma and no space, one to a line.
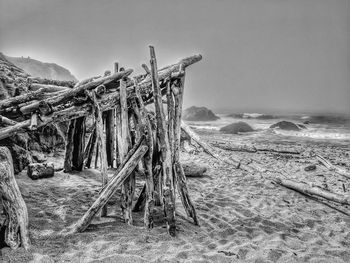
243,217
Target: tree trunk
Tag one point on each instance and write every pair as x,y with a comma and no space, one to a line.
16,214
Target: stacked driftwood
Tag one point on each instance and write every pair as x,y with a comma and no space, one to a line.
125,135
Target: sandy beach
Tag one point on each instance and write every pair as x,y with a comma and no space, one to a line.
243,217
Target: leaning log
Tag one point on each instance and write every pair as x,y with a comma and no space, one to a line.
144,122
110,189
16,214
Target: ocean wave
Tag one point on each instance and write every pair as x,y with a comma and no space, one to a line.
314,134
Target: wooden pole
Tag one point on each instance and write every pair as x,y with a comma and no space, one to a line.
167,180
89,149
178,169
69,147
16,214
78,144
143,119
101,140
128,187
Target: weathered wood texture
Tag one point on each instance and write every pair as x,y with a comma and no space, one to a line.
16,214
167,171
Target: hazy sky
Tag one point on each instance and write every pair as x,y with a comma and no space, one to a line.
258,55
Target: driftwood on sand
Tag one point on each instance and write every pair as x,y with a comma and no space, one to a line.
16,214
314,191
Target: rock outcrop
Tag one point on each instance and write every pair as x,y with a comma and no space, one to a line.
199,114
237,127
286,125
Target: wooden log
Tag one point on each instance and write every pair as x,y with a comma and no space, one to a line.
142,116
14,101
69,148
101,142
110,137
47,88
332,167
314,190
16,214
85,81
33,122
6,121
145,67
66,83
171,122
128,188
90,146
167,180
206,147
178,169
78,144
107,192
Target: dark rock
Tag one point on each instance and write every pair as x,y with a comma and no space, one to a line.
199,114
193,169
237,127
286,125
301,126
40,170
21,157
310,167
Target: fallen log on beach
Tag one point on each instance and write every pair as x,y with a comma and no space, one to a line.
313,191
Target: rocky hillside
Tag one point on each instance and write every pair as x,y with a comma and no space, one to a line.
40,69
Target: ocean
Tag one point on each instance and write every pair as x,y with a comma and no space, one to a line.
320,127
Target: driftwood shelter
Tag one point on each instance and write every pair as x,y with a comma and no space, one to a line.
125,136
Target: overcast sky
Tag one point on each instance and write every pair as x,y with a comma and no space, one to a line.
258,55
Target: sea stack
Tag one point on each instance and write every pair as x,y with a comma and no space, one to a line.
237,127
199,114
